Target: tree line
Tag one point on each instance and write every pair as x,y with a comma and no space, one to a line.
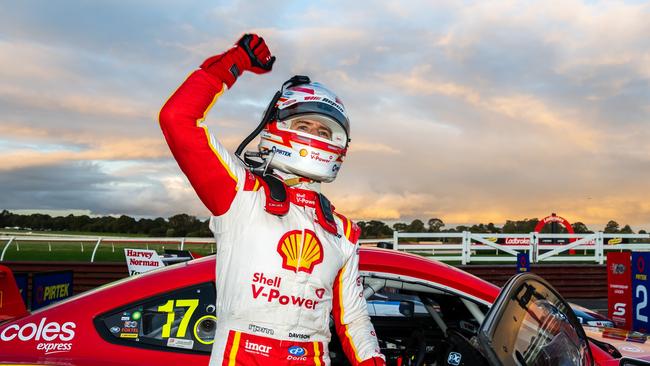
378,229
180,225
184,225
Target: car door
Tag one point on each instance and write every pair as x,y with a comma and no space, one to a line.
531,324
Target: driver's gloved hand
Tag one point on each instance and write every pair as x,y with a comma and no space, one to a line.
249,54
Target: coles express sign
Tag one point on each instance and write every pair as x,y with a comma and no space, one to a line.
50,336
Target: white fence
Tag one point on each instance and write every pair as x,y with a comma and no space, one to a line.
464,247
95,242
467,247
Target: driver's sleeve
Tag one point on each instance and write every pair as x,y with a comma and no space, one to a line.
213,172
350,312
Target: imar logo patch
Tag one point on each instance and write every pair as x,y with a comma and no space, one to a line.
300,254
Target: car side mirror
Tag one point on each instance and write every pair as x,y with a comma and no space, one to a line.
407,308
633,362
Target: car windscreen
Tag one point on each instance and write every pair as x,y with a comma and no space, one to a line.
537,328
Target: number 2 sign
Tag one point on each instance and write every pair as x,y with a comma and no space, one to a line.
640,309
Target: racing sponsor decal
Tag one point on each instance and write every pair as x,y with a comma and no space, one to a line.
614,241
297,353
619,289
52,337
180,343
300,336
142,260
50,287
280,151
315,155
334,104
257,348
303,152
257,329
631,349
303,199
268,288
300,254
454,358
517,241
56,291
319,292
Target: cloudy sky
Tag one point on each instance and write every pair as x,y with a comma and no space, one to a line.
468,111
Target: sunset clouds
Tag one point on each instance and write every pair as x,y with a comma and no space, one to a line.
471,112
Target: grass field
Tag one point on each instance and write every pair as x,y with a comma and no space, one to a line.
76,251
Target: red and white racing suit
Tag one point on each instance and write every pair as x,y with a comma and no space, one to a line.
277,277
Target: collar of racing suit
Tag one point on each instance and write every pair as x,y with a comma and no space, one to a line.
306,193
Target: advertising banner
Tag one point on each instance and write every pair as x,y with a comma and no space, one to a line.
142,260
50,287
640,309
523,263
619,289
21,281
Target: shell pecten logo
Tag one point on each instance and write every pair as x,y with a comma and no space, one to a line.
298,253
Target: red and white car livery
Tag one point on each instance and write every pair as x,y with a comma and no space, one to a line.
424,313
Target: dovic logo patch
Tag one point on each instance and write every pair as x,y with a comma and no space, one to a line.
298,254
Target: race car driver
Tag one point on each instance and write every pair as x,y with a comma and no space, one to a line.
285,260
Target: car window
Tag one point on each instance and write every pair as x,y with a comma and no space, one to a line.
530,324
181,320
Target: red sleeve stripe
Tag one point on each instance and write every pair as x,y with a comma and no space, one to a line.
339,313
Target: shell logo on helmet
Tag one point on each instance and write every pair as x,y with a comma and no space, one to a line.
300,255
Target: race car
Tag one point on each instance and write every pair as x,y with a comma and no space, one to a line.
424,312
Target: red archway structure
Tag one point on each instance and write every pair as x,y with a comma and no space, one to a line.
554,218
560,220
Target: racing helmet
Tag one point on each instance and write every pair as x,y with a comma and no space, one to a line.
318,158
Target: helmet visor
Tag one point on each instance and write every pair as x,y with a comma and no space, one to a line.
316,126
319,108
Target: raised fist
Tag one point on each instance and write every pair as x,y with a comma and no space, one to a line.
258,53
249,54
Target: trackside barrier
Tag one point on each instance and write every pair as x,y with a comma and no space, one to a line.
97,241
464,247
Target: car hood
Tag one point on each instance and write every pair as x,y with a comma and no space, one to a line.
628,343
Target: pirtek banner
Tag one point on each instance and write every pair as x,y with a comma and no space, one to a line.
640,308
142,260
619,289
49,287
